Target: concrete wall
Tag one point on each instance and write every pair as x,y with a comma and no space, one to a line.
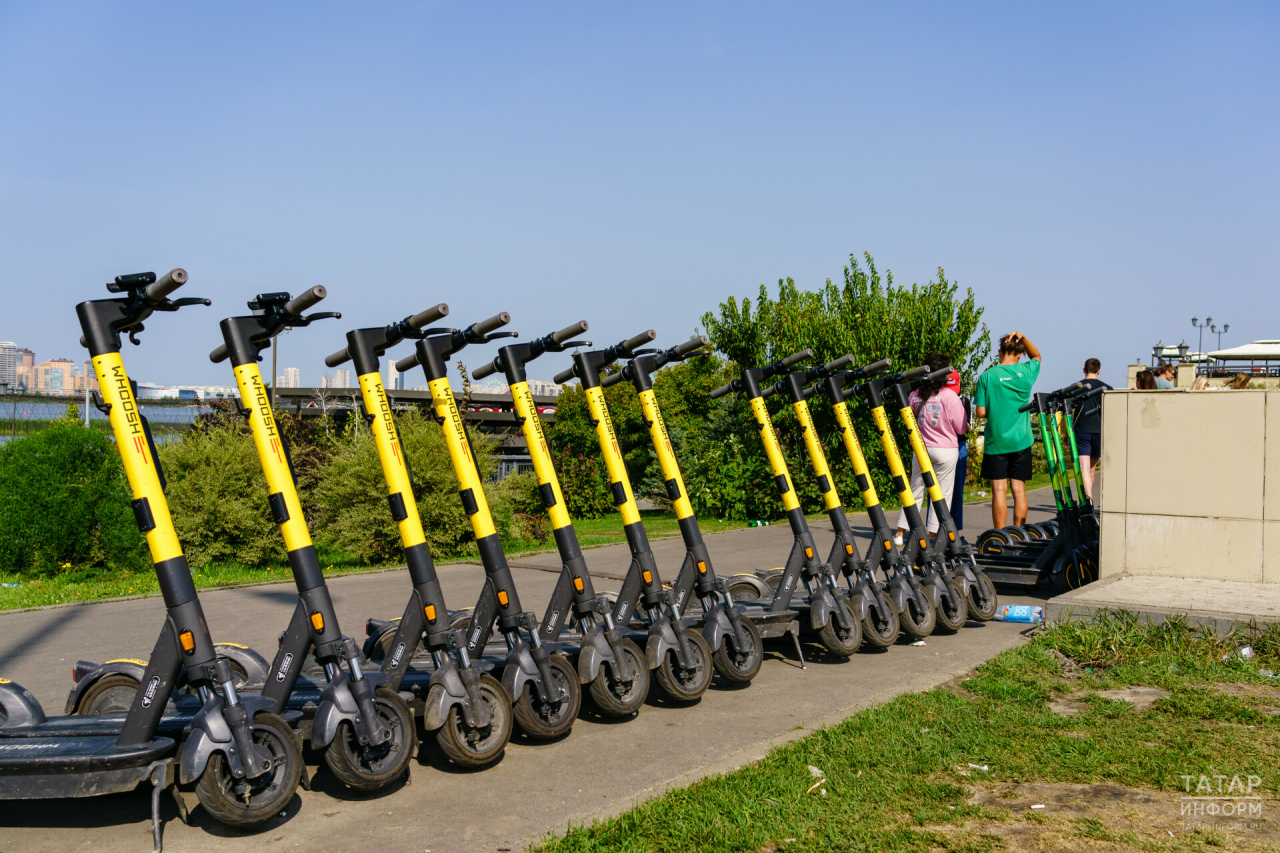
1191,484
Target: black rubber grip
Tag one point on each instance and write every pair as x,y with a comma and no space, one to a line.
833,366
497,321
943,373
405,364
1077,389
914,373
1096,392
568,332
481,372
219,354
1028,407
564,376
426,318
696,342
810,391
795,358
172,280
337,358
771,390
639,340
721,391
305,300
876,367
611,380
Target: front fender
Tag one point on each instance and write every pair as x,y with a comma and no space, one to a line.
209,734
255,666
716,627
446,690
662,639
821,606
520,669
336,705
594,653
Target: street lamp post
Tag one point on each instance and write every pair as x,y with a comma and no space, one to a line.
1220,332
1196,324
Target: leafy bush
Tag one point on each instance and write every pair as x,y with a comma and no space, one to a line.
64,502
218,495
351,494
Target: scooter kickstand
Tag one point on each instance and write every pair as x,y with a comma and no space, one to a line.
795,638
159,777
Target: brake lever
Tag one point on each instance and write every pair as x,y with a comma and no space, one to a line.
321,315
133,332
191,300
490,337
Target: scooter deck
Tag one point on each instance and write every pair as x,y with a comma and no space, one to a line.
104,726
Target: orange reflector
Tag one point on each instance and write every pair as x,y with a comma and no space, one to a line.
188,641
577,584
648,576
317,621
888,546
848,549
808,552
702,567
924,544
430,610
502,597
951,536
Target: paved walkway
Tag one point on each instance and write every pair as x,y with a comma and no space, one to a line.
1222,605
599,769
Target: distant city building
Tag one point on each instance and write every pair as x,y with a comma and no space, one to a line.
543,388
9,363
24,369
395,379
292,378
326,381
56,376
341,378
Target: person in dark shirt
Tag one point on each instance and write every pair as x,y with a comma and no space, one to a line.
1087,423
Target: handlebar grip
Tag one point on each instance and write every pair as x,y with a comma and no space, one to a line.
564,376
639,340
795,358
426,318
409,362
721,391
497,321
219,354
876,367
1096,392
913,373
810,391
1078,389
172,280
939,374
305,300
1028,407
337,358
483,371
611,380
569,331
696,342
771,390
833,366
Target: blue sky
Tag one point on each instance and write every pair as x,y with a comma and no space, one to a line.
1097,173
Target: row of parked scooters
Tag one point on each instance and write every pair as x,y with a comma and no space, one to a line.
221,718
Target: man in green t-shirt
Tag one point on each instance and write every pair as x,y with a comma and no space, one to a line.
1006,446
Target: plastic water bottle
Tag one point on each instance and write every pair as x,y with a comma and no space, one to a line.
1020,613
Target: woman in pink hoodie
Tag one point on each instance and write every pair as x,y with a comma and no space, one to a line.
941,417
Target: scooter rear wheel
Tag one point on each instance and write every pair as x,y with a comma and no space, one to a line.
988,594
478,747
110,694
612,697
841,642
375,767
918,618
253,802
739,666
550,721
686,684
883,633
951,619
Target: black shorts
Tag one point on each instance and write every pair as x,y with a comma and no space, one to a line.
1089,444
1007,466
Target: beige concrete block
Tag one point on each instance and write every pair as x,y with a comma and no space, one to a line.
1111,543
1186,374
1271,498
1195,454
1227,549
1271,551
1115,441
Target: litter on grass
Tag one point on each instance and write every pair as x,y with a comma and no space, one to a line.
918,643
816,772
983,767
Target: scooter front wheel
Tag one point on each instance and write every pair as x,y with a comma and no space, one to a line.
739,666
255,801
918,618
549,720
616,698
686,684
952,610
983,600
880,627
470,747
374,767
841,641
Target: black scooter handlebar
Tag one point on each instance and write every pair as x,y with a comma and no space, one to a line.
172,280
611,380
1028,407
796,358
339,357
482,372
484,327
833,366
943,373
426,318
639,340
569,332
694,343
876,367
914,373
219,354
303,300
721,391
564,376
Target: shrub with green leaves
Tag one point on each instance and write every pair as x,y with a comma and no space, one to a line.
64,503
351,493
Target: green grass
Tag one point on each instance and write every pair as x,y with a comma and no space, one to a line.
895,773
93,584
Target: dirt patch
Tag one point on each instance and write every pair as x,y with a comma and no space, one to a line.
1141,698
1110,817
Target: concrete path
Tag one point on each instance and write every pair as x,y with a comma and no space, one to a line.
600,768
1223,605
